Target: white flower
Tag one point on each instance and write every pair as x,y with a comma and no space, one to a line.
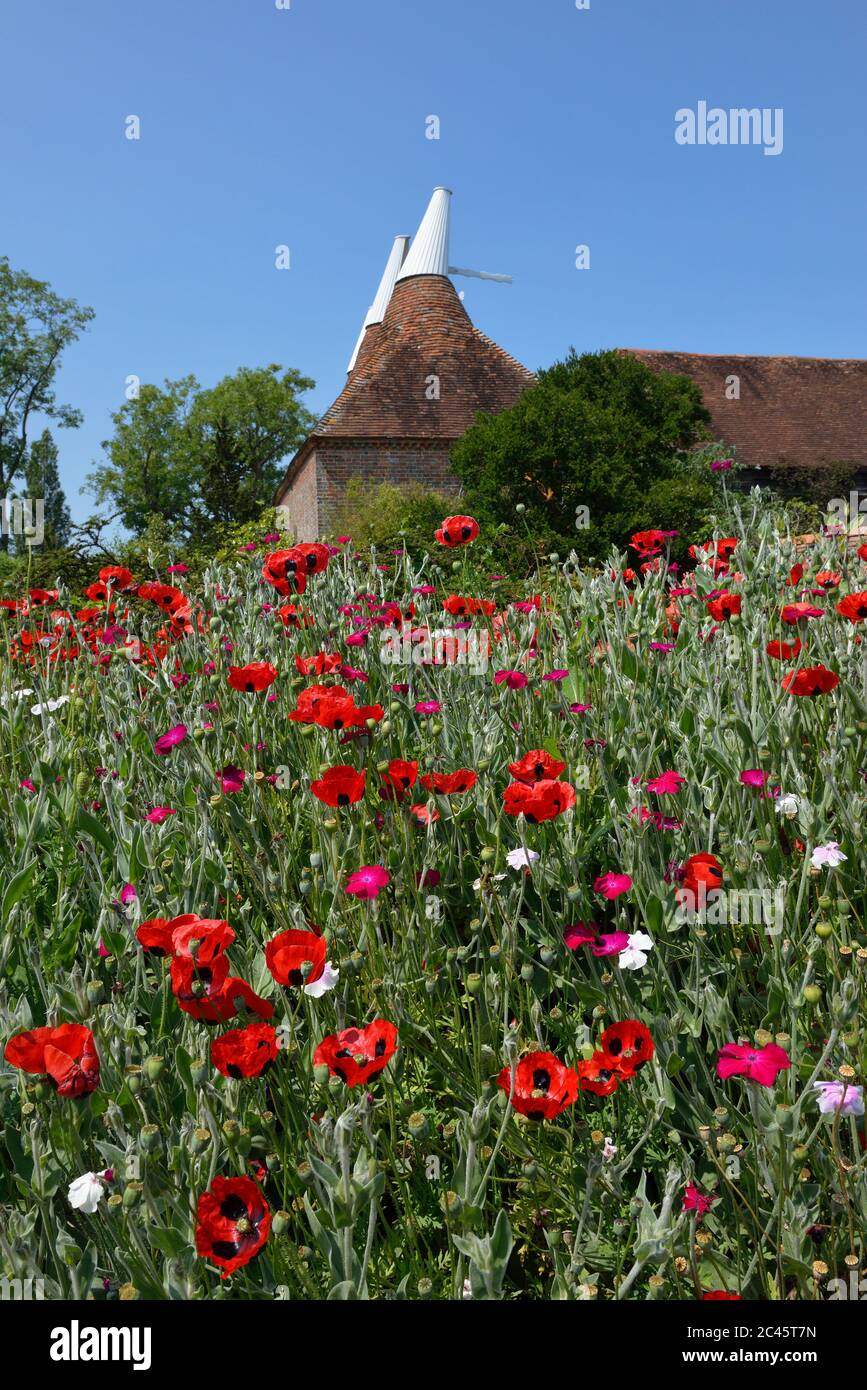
496,879
327,980
634,953
15,695
50,705
787,806
86,1193
829,854
521,858
609,1149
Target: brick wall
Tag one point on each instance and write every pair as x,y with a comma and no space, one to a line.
317,487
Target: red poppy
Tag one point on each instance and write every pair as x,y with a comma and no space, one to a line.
449,783
724,606
828,579
286,571
647,543
169,599
210,994
257,675
861,552
155,936
424,815
702,869
536,766
600,1074
796,574
458,607
187,935
339,786
853,607
117,576
629,1043
719,1294
245,1051
286,953
784,651
357,1055
332,707
812,680
457,530
202,938
398,778
544,1086
67,1054
540,802
233,1222
310,556
322,664
799,612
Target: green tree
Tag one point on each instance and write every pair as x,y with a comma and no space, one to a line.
202,459
602,432
35,326
43,483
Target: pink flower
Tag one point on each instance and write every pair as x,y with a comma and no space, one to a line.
231,778
515,680
761,1065
721,465
367,881
428,707
611,885
128,894
166,742
696,1201
666,784
26,785
159,814
662,646
558,675
582,934
753,777
579,708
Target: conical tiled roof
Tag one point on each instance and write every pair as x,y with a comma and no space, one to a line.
426,333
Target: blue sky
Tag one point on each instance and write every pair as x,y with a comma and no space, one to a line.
306,127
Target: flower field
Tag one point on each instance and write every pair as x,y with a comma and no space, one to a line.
374,927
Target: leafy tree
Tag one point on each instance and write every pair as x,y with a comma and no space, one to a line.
602,432
203,459
35,326
43,482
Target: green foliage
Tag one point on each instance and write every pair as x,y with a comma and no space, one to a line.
36,325
43,482
202,459
600,431
391,514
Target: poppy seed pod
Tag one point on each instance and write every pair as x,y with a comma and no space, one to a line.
149,1138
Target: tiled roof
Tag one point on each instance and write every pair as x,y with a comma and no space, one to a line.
426,332
802,411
